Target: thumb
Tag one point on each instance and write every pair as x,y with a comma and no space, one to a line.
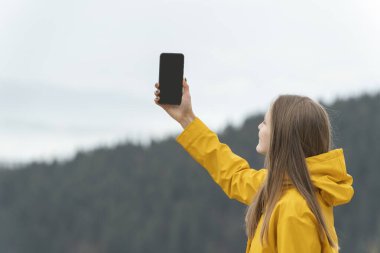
185,85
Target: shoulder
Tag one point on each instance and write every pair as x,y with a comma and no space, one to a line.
293,206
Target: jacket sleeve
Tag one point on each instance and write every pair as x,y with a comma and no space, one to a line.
231,172
298,234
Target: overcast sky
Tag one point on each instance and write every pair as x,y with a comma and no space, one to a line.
78,74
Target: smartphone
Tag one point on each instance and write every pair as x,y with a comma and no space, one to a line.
171,78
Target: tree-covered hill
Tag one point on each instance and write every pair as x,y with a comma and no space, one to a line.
132,198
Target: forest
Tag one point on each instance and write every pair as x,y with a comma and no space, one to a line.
155,198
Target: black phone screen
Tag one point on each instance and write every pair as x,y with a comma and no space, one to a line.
171,78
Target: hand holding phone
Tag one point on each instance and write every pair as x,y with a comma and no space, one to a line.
182,113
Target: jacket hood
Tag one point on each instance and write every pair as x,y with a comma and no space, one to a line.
328,174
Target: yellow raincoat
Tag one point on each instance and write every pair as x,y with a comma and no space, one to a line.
292,226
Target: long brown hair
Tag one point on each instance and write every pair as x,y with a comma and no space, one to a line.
300,127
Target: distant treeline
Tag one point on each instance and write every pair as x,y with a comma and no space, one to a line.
157,199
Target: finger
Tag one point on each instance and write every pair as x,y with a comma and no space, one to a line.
157,92
157,85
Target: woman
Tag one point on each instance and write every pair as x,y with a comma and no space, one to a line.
290,201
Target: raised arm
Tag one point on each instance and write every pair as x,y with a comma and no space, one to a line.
231,172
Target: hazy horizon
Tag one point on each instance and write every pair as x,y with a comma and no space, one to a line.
76,75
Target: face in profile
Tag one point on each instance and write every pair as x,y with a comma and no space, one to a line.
264,135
